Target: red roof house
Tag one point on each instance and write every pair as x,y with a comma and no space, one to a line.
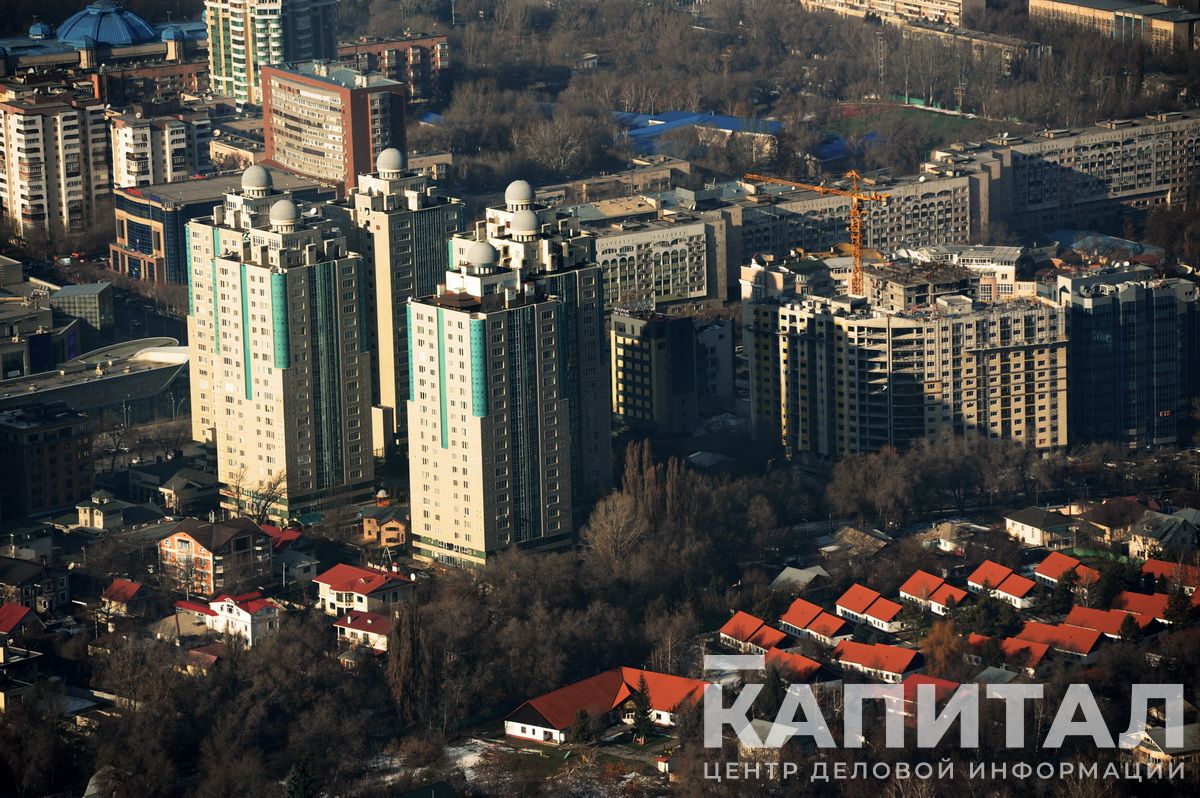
920,586
15,619
795,668
548,718
367,629
1152,606
943,690
1188,576
855,601
745,632
350,587
799,615
1051,569
879,661
1001,582
1106,621
829,629
1075,641
125,597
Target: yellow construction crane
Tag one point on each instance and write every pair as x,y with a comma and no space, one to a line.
857,198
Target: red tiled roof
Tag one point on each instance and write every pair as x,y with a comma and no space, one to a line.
1057,564
768,637
247,602
1075,639
282,538
794,667
12,615
991,574
1152,606
857,598
800,614
742,626
194,606
122,591
1106,621
884,610
1187,575
1016,586
1011,647
353,579
366,622
891,659
942,688
922,585
948,595
827,625
605,691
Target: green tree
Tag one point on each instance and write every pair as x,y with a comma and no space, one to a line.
643,722
581,729
1062,597
771,698
301,781
1130,631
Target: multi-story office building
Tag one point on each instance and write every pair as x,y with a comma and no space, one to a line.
951,12
655,262
246,35
653,371
151,221
92,304
1004,272
32,340
714,365
401,225
1089,177
509,417
834,376
53,161
420,61
153,145
281,373
328,122
47,456
1134,346
1158,26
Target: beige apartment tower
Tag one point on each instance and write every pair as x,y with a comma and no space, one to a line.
835,376
281,373
508,416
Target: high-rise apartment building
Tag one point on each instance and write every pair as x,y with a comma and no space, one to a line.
150,147
509,418
328,122
419,60
401,225
281,373
53,161
655,261
246,35
654,371
1134,346
1088,177
833,376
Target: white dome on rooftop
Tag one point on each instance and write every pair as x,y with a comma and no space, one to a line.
481,253
519,192
285,212
525,222
390,160
256,178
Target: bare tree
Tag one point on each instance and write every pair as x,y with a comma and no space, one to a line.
255,502
613,531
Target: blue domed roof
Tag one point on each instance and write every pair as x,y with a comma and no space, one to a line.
172,33
106,23
40,30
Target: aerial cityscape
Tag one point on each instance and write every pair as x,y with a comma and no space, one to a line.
599,398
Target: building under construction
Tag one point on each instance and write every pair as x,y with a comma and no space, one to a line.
833,376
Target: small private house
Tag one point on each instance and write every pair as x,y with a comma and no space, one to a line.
878,661
1074,642
794,668
1186,576
15,620
606,696
1018,656
750,635
33,585
249,617
384,525
805,619
861,604
1151,606
365,629
943,691
1163,535
105,511
800,581
125,597
343,588
1050,570
992,578
207,559
1153,748
1035,526
932,593
1106,621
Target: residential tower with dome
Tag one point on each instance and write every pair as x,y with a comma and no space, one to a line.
279,337
508,417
